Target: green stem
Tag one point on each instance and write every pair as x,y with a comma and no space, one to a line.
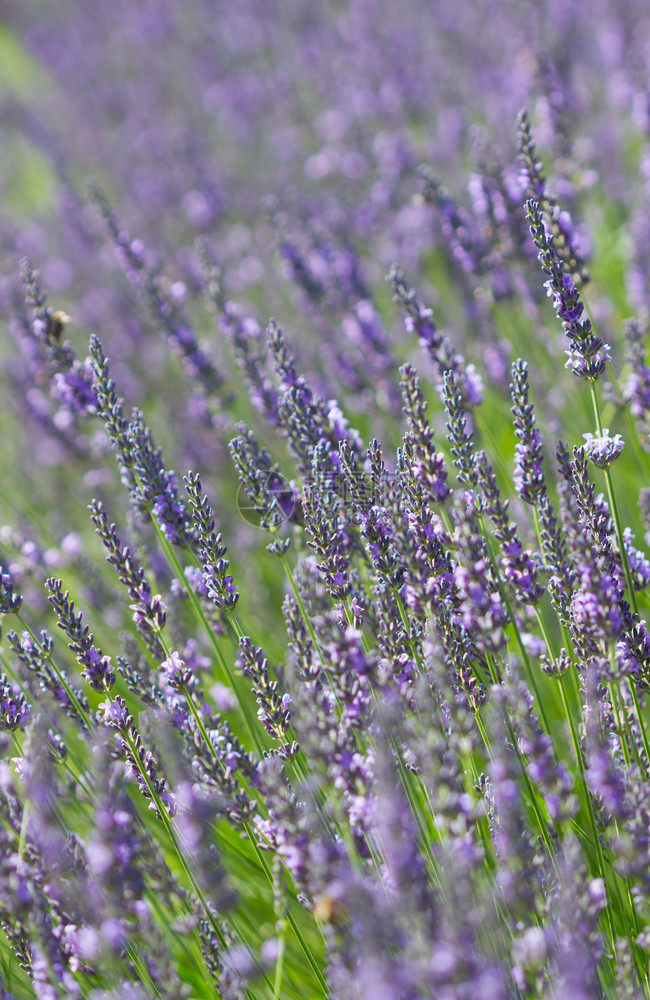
279,965
484,736
66,761
619,726
512,737
201,615
300,603
407,628
167,823
249,832
626,567
581,767
522,649
63,682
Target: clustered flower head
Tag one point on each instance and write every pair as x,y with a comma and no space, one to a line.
602,449
176,673
14,709
10,601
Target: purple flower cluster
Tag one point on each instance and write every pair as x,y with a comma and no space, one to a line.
14,709
588,354
399,749
602,449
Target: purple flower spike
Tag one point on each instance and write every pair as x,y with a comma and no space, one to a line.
14,709
10,602
116,714
97,668
176,673
588,354
594,609
529,474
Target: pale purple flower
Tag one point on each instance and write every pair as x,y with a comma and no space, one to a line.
602,449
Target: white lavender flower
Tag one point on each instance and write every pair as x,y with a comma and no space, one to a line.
602,449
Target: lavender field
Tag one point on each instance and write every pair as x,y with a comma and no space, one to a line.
324,500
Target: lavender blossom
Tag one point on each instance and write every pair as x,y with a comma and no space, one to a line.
176,673
481,605
305,418
34,655
637,561
274,709
551,776
558,222
594,515
636,388
580,943
197,809
14,708
329,540
225,766
588,355
141,761
49,364
529,474
466,247
147,611
270,495
604,757
461,441
115,852
428,466
602,449
378,534
74,389
243,332
519,567
10,601
595,610
217,581
97,668
153,488
520,871
418,319
402,827
145,274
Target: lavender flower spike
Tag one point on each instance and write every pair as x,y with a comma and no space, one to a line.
141,762
529,474
97,668
218,582
428,465
10,601
14,709
588,355
559,222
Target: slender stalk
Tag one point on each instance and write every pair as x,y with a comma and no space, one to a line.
167,823
201,615
512,737
301,605
249,832
575,739
522,649
279,964
81,712
626,568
